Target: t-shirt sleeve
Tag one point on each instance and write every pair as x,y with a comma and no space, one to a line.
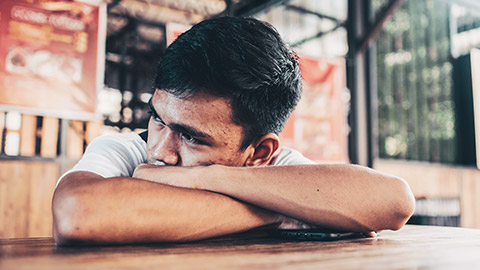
112,155
288,156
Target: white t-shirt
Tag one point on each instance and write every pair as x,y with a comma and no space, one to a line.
119,154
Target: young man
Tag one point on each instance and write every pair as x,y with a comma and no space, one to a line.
213,164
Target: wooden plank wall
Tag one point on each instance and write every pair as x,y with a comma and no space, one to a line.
49,137
26,190
26,187
440,181
28,135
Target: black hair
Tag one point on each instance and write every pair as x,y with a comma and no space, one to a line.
241,59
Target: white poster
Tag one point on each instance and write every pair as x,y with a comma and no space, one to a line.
52,57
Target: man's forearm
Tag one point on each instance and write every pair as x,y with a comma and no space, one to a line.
341,196
88,208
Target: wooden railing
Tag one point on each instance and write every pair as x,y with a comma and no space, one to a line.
33,156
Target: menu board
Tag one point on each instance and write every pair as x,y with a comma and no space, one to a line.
51,57
318,127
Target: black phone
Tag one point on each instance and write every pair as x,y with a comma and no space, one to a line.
314,234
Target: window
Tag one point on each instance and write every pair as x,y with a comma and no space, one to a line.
423,84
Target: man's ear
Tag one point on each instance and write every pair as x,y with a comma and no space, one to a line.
263,150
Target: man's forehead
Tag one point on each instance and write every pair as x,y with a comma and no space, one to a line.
198,100
202,111
193,98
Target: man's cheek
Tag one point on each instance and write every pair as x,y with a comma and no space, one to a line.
151,157
220,161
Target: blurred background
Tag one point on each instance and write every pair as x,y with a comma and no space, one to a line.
389,84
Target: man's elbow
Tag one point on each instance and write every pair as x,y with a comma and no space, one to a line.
67,215
403,205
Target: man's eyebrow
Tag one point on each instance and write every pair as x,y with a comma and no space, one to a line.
189,130
154,112
181,127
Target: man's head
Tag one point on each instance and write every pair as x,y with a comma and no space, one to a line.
239,62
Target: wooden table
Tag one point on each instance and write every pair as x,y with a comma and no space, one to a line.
413,247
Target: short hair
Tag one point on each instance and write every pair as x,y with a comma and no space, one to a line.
241,59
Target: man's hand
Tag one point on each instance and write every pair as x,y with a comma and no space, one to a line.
186,177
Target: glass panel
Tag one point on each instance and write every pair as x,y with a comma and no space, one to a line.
415,103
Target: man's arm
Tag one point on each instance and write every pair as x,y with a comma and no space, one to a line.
339,196
88,208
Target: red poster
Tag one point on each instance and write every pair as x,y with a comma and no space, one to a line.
174,30
318,127
51,57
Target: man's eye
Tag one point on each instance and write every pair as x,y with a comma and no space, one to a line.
190,139
155,117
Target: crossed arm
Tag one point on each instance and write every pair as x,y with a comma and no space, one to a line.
183,204
88,208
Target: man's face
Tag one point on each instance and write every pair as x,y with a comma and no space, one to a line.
194,131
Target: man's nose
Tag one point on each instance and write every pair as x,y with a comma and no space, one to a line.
166,150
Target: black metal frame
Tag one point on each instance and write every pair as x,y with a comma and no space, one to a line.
319,34
307,11
374,29
362,32
251,8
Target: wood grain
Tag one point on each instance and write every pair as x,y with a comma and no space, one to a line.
28,135
26,190
93,130
425,179
43,178
48,146
75,139
470,203
435,181
14,203
413,247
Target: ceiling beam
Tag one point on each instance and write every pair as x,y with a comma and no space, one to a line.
307,11
113,4
148,11
318,35
206,8
255,7
373,31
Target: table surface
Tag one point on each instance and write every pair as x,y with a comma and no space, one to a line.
413,247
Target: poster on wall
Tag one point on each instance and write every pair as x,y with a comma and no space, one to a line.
318,127
52,57
173,30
